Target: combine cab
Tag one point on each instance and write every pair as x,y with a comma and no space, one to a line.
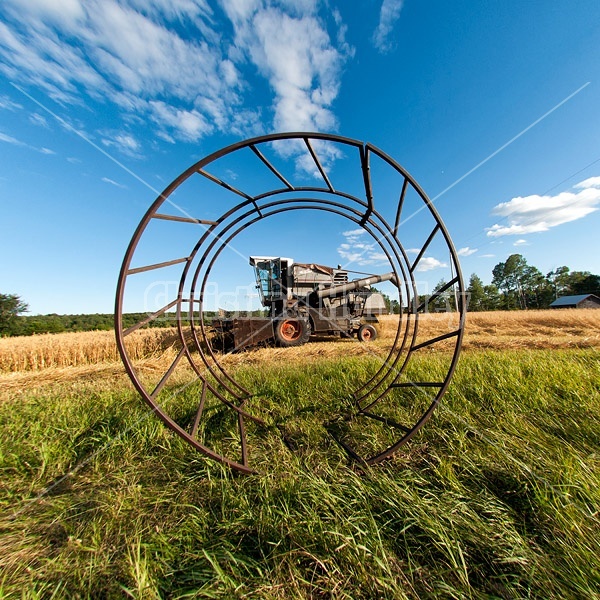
302,300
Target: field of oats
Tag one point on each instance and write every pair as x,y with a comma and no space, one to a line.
497,497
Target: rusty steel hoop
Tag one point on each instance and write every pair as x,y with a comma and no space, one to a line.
206,209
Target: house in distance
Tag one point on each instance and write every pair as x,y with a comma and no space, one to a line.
580,301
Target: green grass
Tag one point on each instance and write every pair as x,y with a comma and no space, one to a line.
497,497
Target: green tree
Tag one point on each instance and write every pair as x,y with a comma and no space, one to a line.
476,294
536,291
11,306
446,301
493,300
508,276
559,281
583,282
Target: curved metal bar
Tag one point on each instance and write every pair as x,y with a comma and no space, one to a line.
256,219
359,211
384,235
205,256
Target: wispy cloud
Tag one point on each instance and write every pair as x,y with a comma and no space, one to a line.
358,249
388,15
466,251
294,52
124,142
115,183
7,104
521,243
533,214
167,61
190,124
9,139
39,120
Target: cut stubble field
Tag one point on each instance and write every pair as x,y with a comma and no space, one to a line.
497,497
517,330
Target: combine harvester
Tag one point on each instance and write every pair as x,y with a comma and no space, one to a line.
305,299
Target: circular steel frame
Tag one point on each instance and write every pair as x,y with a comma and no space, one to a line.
215,235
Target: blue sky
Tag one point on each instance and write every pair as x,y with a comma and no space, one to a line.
493,107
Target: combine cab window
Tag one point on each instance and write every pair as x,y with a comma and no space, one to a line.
268,278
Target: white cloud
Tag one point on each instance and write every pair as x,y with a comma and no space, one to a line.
428,263
9,139
355,249
295,53
190,124
39,120
124,142
112,182
487,256
521,243
171,61
466,251
66,12
532,214
354,233
175,10
39,56
388,15
7,104
588,183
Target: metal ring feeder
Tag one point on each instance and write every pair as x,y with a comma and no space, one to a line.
204,230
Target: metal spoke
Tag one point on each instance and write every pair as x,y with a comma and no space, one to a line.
424,248
149,318
385,420
183,219
436,294
162,265
272,168
366,172
229,188
318,164
199,411
400,206
437,339
168,374
243,444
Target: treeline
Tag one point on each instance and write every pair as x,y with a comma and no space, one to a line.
517,285
31,325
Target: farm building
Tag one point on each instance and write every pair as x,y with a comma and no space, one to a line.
580,301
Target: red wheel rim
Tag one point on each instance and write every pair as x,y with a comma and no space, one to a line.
290,330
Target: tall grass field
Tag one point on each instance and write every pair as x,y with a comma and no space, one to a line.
498,496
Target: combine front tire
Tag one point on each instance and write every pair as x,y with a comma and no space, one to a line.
367,333
291,332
